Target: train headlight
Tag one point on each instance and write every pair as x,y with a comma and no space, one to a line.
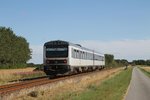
47,61
65,61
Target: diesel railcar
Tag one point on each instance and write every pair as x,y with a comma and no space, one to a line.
62,57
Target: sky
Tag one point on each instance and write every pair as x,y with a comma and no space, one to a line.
118,27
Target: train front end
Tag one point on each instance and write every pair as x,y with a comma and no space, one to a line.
55,54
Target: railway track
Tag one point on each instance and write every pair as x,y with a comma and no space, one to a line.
10,88
5,89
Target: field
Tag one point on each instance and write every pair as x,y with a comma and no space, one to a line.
146,70
7,75
105,85
113,88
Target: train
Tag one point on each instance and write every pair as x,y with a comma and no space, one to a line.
63,58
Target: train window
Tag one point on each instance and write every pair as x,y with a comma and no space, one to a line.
99,58
81,55
73,53
56,49
91,56
96,57
86,55
52,52
77,54
102,58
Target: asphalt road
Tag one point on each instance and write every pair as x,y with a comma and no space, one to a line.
139,88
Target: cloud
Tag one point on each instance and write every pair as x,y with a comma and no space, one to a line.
123,49
127,49
37,54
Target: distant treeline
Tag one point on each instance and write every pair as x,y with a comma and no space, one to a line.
111,62
14,50
141,62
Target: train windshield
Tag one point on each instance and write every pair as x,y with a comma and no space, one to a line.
56,52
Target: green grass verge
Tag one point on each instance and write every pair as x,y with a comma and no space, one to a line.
113,88
145,72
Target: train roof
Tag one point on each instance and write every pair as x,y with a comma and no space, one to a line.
61,42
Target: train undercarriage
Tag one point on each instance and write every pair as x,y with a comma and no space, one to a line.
68,70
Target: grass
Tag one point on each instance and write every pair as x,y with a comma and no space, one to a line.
68,87
7,75
30,74
146,72
113,88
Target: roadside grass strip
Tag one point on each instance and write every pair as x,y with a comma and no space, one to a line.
145,72
113,88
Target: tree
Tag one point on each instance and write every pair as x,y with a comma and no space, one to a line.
139,62
14,50
109,59
122,62
148,62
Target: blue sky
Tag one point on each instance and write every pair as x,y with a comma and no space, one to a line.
79,21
